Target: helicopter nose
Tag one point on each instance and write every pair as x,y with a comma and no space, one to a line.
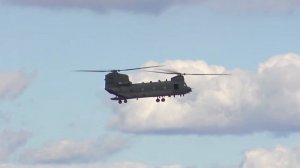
189,89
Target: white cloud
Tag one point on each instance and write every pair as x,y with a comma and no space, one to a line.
245,102
10,142
90,165
157,6
12,84
69,151
280,157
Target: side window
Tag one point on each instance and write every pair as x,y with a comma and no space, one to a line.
176,86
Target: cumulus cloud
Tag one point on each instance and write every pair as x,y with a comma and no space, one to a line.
91,165
12,84
245,102
69,151
280,157
10,142
158,6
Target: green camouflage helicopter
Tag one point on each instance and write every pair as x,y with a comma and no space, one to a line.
119,85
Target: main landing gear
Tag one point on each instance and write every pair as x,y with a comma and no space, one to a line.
162,99
120,101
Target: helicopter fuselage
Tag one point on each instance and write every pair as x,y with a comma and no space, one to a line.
120,86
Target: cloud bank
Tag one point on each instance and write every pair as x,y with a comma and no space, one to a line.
89,153
10,142
158,6
69,151
136,6
91,165
243,103
280,157
12,84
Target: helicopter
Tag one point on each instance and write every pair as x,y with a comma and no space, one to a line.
118,84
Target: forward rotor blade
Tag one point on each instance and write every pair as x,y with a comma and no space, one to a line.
178,73
118,70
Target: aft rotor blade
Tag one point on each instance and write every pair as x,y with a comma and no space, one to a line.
146,67
162,72
92,71
203,74
169,71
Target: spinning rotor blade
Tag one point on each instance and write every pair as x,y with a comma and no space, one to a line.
130,69
178,73
92,71
118,70
163,72
203,74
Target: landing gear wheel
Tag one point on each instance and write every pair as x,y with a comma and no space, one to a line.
125,101
120,101
157,100
163,99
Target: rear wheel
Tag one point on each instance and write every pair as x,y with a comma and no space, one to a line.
120,101
157,100
163,99
125,101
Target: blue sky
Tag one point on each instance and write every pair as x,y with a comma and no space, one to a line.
52,116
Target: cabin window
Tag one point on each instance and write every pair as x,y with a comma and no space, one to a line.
176,86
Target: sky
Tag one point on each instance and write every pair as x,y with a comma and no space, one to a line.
53,117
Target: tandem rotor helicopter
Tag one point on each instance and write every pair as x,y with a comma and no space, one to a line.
119,84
